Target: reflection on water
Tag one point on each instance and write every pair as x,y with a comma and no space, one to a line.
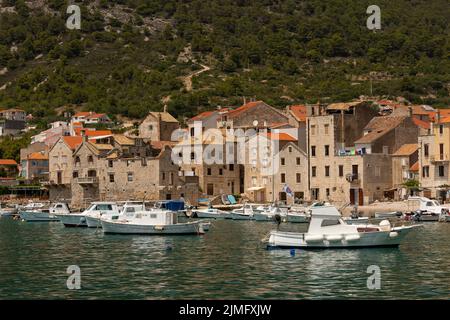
229,262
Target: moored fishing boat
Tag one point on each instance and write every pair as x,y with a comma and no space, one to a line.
210,213
106,210
356,220
247,212
40,213
8,210
328,230
152,222
385,215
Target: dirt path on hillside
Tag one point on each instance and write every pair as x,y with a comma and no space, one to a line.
187,80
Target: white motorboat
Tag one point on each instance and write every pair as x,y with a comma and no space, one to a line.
8,210
247,212
328,230
426,216
105,210
269,213
151,222
386,215
429,210
39,213
210,213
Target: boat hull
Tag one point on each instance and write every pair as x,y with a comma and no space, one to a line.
237,216
427,218
209,215
116,227
36,216
361,240
73,220
93,222
262,217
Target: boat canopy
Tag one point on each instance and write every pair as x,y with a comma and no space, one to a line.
326,212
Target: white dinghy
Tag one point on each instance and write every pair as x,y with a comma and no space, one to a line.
39,213
246,212
328,230
210,213
151,222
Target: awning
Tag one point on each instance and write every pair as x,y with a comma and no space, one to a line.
256,188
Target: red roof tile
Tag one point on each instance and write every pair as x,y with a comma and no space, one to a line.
73,141
280,136
415,166
201,116
421,123
299,112
234,113
37,156
8,162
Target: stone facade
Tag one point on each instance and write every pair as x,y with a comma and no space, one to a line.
158,126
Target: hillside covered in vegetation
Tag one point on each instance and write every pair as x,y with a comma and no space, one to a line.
132,56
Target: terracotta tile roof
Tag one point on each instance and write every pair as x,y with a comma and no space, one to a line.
37,156
8,162
82,114
72,141
201,116
421,123
299,112
96,115
13,110
92,132
379,126
406,149
236,112
414,167
280,136
445,120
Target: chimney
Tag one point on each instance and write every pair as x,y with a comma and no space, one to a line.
410,111
165,108
83,135
245,100
439,115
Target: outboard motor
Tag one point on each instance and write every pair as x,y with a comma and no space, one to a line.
277,218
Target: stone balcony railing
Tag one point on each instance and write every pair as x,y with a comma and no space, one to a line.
87,180
440,158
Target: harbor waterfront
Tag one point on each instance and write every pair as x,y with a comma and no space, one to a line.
228,262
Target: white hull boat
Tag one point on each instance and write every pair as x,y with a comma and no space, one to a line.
210,213
426,217
8,211
263,216
337,234
385,215
154,222
44,214
73,219
247,212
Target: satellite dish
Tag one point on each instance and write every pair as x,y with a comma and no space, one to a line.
255,123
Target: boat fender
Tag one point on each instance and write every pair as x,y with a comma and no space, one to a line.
352,237
393,234
312,238
159,228
333,237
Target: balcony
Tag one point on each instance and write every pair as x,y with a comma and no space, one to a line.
352,177
441,158
87,180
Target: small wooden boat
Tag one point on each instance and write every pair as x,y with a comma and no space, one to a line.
210,213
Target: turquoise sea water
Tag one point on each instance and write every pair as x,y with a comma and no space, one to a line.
229,262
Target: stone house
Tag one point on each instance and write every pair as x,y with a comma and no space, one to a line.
283,165
35,166
113,171
13,114
158,126
336,171
8,168
61,167
403,162
434,159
